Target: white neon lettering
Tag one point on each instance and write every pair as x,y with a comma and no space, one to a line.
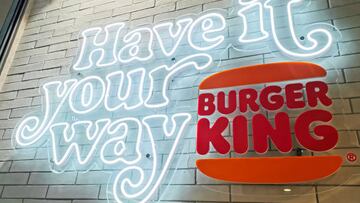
30,130
87,104
205,59
74,147
102,107
120,140
133,49
311,51
207,24
122,97
168,28
85,59
125,184
248,5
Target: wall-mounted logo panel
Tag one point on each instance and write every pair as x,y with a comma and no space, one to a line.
246,113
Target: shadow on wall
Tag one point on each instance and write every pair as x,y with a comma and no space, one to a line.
39,5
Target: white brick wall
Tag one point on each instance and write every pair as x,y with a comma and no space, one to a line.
49,46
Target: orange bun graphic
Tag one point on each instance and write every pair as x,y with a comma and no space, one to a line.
264,73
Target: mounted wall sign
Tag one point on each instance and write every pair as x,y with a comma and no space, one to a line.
268,170
118,110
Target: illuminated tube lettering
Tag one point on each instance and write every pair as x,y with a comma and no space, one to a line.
144,185
61,132
113,150
250,6
32,129
129,94
117,82
207,25
314,50
163,30
138,46
84,98
103,53
197,61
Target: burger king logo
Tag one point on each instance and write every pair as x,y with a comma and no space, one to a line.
243,109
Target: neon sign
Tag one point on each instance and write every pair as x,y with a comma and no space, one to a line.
93,117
